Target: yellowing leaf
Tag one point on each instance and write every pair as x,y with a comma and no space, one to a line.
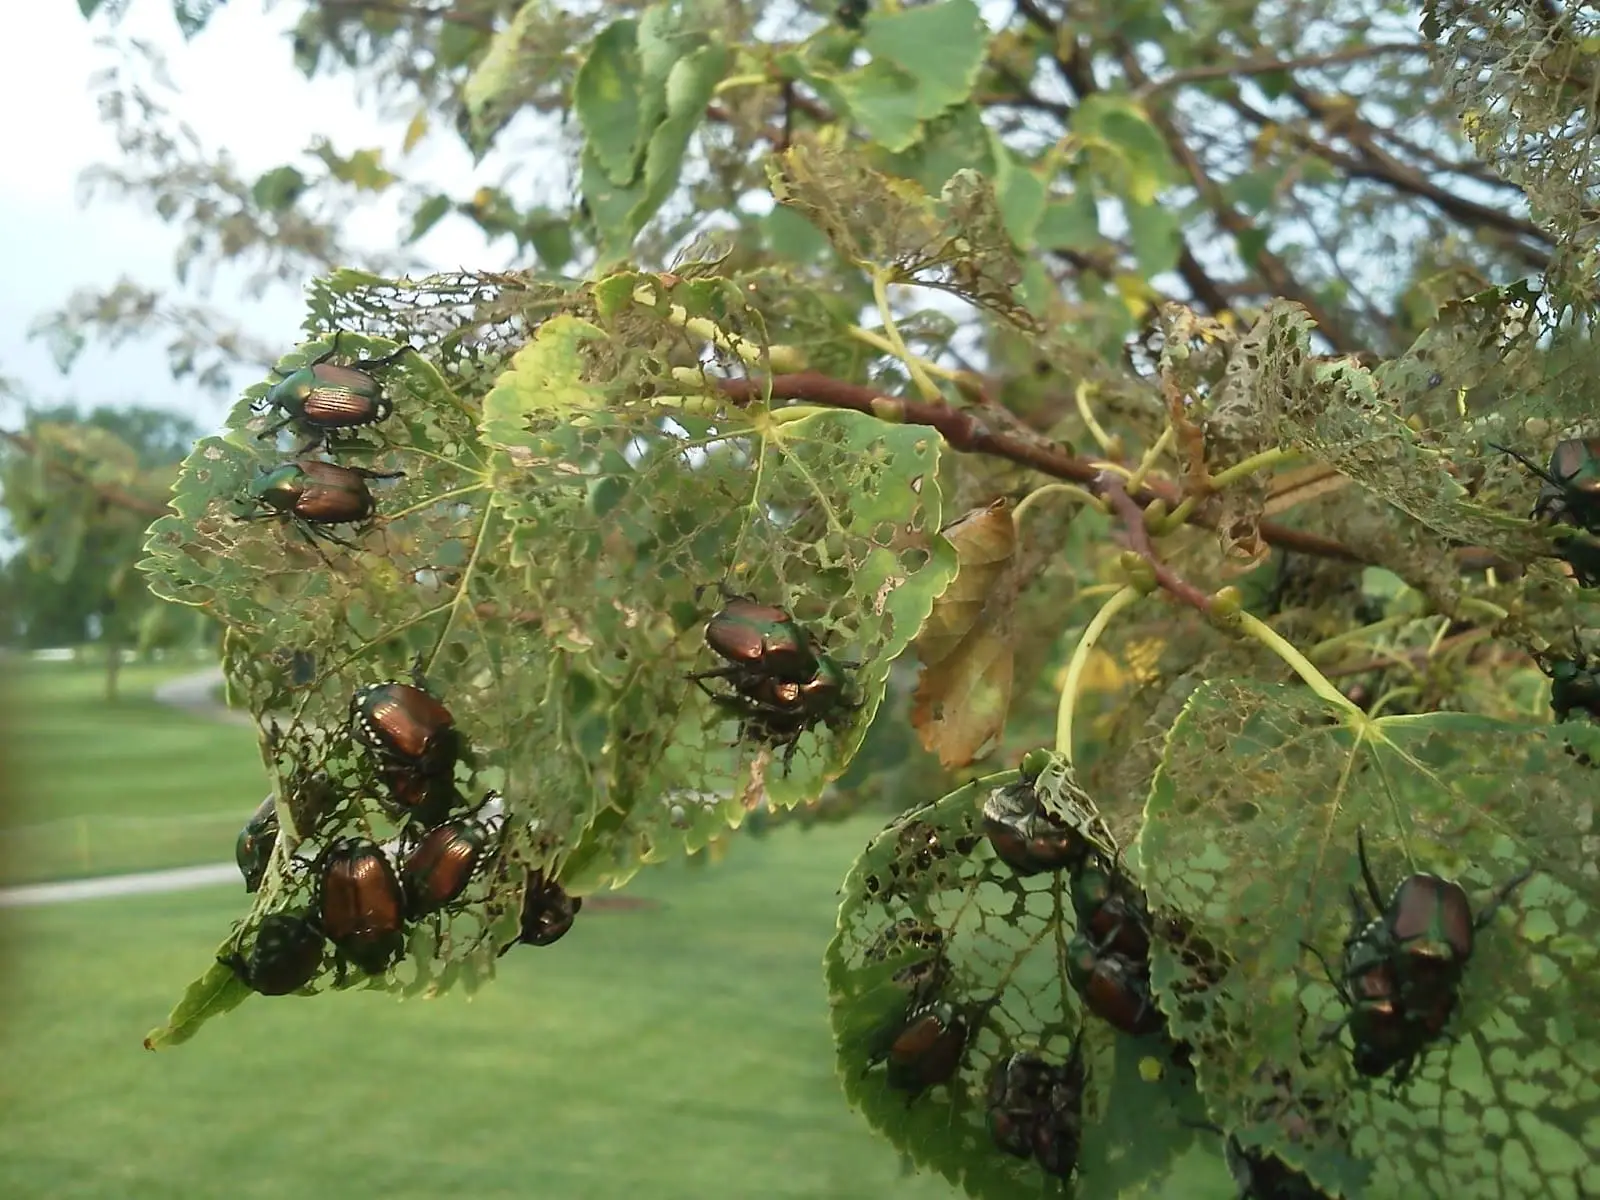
415,132
985,542
966,648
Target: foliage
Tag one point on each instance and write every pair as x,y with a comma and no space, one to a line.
78,489
985,248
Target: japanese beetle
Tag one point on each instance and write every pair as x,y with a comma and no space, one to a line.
443,863
927,1049
1111,908
323,396
361,906
1025,837
313,495
547,913
1261,1175
1059,1132
1574,684
286,956
1114,988
1570,494
760,638
253,849
425,800
778,711
1426,931
406,727
1019,1087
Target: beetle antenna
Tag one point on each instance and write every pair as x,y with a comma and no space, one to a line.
1530,464
1366,869
1328,971
1500,897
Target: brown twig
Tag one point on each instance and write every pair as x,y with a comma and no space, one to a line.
968,434
1110,486
109,492
1263,66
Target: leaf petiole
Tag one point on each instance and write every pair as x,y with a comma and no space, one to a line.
1297,662
1120,600
1082,495
891,332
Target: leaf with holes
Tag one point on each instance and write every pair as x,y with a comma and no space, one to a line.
1251,832
416,567
652,485
930,915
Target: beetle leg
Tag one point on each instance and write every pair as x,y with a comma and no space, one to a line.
368,474
1332,978
318,438
388,360
1500,898
273,430
332,350
1366,869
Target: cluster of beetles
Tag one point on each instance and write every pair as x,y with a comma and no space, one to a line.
363,900
1399,978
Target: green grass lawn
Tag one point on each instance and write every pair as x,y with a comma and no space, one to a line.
673,1051
676,1050
96,788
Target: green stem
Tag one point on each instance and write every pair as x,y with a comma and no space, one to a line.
1176,518
1082,495
1298,663
1080,658
1484,608
1256,462
749,353
871,337
880,293
1321,649
1136,480
1080,397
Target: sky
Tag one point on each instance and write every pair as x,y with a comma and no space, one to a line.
237,88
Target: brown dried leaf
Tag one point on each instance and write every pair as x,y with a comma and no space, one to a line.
966,646
985,542
961,703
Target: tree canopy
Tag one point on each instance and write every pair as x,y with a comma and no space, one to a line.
1202,393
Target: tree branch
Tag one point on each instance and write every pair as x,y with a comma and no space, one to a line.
109,492
1127,508
1263,66
968,434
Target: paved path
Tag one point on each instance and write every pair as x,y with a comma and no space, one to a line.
182,879
194,694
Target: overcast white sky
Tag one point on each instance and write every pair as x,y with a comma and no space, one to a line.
239,89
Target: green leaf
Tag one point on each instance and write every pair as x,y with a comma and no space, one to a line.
1254,191
940,46
644,501
429,214
791,236
954,141
1070,224
1250,836
886,101
218,991
1001,937
1021,193
278,189
495,89
1156,235
924,61
608,99
1130,151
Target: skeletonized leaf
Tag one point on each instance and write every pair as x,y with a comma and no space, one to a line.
929,888
1251,831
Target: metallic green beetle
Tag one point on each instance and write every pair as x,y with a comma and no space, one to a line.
323,396
314,494
253,849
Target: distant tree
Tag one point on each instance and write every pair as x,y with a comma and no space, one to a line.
79,490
